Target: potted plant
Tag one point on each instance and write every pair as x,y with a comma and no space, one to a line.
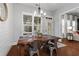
39,34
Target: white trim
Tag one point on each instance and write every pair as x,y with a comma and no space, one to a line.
25,13
69,10
65,13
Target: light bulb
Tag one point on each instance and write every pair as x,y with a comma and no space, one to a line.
41,12
34,13
44,13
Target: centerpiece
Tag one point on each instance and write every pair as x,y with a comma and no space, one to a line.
39,34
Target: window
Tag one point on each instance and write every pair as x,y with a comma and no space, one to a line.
27,21
63,25
73,24
33,24
30,25
37,23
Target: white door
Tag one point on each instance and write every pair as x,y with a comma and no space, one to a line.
49,27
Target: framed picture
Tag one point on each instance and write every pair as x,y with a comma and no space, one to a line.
3,11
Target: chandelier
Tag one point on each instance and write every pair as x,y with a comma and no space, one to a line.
39,11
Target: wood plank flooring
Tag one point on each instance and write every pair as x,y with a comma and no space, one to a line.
72,49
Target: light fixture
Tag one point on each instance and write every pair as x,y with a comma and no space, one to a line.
39,11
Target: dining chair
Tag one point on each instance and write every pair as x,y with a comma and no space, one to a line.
34,48
51,47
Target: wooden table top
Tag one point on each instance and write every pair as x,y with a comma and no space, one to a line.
25,41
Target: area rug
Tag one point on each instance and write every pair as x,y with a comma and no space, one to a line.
60,45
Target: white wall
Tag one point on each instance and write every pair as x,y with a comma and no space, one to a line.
11,29
56,15
6,33
18,9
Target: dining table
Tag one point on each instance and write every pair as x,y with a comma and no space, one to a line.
25,41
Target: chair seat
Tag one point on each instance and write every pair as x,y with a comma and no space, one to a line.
32,49
50,45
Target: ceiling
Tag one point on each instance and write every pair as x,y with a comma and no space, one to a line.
55,6
74,12
50,6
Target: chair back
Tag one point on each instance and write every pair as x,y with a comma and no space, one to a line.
36,44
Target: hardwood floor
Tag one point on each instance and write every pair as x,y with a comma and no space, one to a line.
72,49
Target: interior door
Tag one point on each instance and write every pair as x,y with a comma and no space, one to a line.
49,26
